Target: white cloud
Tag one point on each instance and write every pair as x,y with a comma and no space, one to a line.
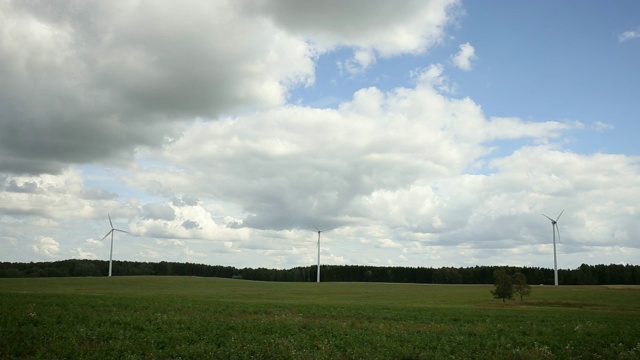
361,61
174,227
84,254
158,212
193,254
433,76
46,246
125,78
387,243
150,254
601,126
93,243
390,172
386,151
80,91
58,197
463,59
383,161
386,28
188,104
629,35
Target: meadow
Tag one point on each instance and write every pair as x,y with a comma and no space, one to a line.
212,318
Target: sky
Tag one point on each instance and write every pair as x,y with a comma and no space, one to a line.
417,133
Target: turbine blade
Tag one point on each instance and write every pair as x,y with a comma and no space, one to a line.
316,228
558,218
558,231
323,230
548,217
109,233
121,231
110,223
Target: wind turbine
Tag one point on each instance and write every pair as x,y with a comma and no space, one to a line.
554,228
319,232
111,233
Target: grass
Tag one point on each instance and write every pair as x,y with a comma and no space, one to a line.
199,318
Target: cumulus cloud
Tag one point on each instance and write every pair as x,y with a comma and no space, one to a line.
123,79
400,159
94,81
360,62
185,200
190,224
380,145
158,211
46,246
193,254
629,35
25,187
602,126
463,59
208,160
55,196
386,28
98,194
169,221
150,254
93,243
84,254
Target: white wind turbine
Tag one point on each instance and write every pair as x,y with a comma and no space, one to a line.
554,228
319,232
111,233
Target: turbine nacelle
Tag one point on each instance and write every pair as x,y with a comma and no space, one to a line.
554,222
112,229
320,231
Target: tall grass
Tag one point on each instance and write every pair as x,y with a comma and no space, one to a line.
198,318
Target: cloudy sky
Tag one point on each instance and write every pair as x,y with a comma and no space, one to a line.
423,133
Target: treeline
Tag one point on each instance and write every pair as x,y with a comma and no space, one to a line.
583,275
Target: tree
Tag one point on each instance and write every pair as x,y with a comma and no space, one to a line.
85,268
503,288
520,285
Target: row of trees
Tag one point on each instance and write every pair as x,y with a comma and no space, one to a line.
584,275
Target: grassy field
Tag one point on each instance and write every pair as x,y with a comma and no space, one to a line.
200,318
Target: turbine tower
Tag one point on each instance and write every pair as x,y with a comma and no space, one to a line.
319,232
554,228
111,233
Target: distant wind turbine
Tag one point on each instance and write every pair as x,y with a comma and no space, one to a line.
319,232
111,233
554,228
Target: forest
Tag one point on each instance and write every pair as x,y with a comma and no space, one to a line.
583,275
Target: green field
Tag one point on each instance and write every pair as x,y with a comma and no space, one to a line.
200,318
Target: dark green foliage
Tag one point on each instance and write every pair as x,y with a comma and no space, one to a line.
86,269
584,275
506,286
503,287
520,286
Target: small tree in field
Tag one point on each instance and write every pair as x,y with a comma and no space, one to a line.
503,288
520,285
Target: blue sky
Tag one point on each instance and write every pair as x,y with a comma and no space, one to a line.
221,133
542,61
556,61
